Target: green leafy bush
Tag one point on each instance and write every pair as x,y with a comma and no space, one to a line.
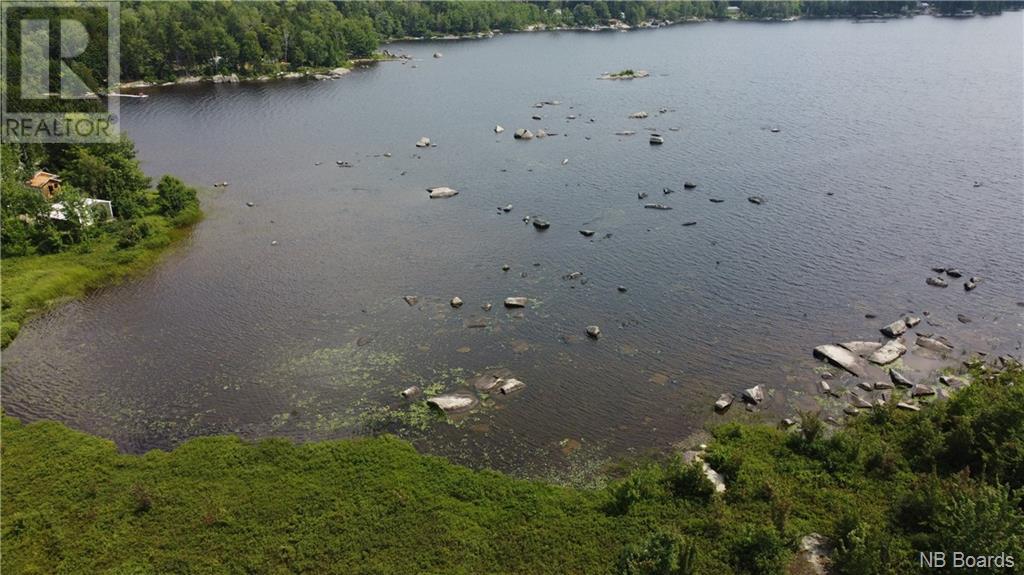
661,553
687,481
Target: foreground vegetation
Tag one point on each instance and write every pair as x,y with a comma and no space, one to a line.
46,261
888,485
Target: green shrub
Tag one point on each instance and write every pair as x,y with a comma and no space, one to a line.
173,196
982,519
757,550
661,553
132,233
865,549
811,426
687,481
641,485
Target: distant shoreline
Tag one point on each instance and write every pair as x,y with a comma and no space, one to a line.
385,56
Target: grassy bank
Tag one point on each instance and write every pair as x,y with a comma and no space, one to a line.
32,284
889,484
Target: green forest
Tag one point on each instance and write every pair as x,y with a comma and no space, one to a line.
161,41
888,485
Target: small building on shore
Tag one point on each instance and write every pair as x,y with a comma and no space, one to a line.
48,184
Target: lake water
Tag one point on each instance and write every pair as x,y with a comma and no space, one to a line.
883,130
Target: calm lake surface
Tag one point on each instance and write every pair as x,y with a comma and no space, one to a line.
884,129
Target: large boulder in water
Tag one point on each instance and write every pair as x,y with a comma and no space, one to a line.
895,329
511,385
754,395
442,192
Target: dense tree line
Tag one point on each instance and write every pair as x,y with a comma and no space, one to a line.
162,40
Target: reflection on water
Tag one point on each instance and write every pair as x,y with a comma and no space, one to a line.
868,184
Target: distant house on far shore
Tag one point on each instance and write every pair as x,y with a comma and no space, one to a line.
48,184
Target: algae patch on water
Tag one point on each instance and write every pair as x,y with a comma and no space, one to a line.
351,389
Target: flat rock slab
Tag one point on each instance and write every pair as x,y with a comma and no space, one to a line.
933,344
888,353
841,357
861,347
452,403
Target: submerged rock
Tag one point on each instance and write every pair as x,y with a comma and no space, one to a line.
485,382
515,301
841,357
541,224
411,299
423,142
587,233
657,207
689,185
453,402
911,320
758,200
593,331
523,134
936,281
638,115
498,129
410,392
456,302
